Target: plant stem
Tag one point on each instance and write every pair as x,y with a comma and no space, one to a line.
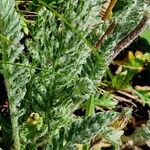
107,32
25,66
12,105
15,126
127,40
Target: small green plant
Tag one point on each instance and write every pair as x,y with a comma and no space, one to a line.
52,65
126,71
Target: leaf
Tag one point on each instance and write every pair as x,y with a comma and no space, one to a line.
141,134
146,35
90,107
105,101
57,68
143,93
82,131
16,77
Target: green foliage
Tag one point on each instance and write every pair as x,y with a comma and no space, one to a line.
146,34
57,68
105,101
90,107
12,52
130,67
143,94
83,130
32,130
141,134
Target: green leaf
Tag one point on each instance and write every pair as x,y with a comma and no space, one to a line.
141,134
146,35
90,107
16,77
105,101
57,68
144,95
81,131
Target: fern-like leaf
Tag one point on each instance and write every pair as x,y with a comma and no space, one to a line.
68,67
82,131
16,77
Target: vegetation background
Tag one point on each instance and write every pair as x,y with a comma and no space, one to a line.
74,74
